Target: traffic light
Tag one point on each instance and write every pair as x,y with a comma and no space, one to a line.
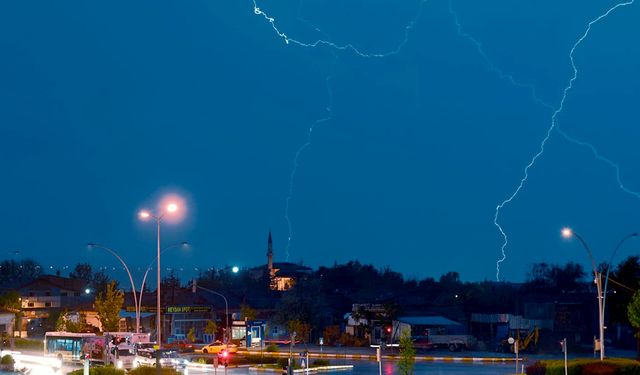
388,329
224,357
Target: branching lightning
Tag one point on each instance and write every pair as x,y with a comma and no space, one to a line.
554,119
602,158
492,67
555,111
339,47
329,108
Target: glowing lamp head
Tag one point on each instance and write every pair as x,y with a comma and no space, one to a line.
567,232
235,269
144,214
172,207
87,291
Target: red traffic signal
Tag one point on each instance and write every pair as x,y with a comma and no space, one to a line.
388,329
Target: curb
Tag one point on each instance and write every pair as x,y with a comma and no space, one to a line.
368,357
302,371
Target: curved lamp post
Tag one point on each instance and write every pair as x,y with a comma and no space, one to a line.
144,278
170,208
568,233
133,286
226,309
610,264
602,293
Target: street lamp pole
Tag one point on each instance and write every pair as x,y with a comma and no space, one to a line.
567,233
610,264
133,286
226,309
144,278
19,319
171,207
158,322
602,292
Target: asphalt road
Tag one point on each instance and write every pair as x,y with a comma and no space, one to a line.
369,368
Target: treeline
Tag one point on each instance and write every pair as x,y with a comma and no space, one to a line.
323,296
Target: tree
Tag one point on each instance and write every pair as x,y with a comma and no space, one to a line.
633,312
68,322
108,305
211,328
627,273
82,271
301,329
10,300
191,335
407,355
14,273
100,281
247,312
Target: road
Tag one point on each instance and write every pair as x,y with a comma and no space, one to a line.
369,368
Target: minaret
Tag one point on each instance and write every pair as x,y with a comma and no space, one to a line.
270,254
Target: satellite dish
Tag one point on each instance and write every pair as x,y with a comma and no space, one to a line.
511,340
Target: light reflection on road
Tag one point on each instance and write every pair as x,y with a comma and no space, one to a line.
390,368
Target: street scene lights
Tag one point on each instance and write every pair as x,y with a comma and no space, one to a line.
146,272
602,292
133,286
569,233
170,208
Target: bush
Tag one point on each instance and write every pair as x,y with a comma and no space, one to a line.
254,359
617,366
599,369
272,348
152,371
536,369
283,362
320,363
7,360
109,370
28,344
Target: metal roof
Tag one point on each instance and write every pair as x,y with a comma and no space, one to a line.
427,321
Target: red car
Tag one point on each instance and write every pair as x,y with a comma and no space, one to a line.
182,346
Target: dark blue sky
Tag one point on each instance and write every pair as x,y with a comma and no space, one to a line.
106,106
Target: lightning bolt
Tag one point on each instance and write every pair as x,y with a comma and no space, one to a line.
339,47
329,110
335,48
554,119
492,67
602,158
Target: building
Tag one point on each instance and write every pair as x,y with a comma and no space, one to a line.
7,323
282,275
425,326
49,295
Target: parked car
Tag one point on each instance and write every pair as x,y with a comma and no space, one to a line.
217,346
169,358
182,346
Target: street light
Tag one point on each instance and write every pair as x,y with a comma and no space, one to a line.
610,264
170,208
226,307
568,233
144,278
602,294
133,285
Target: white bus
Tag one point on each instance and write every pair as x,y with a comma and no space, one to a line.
68,346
